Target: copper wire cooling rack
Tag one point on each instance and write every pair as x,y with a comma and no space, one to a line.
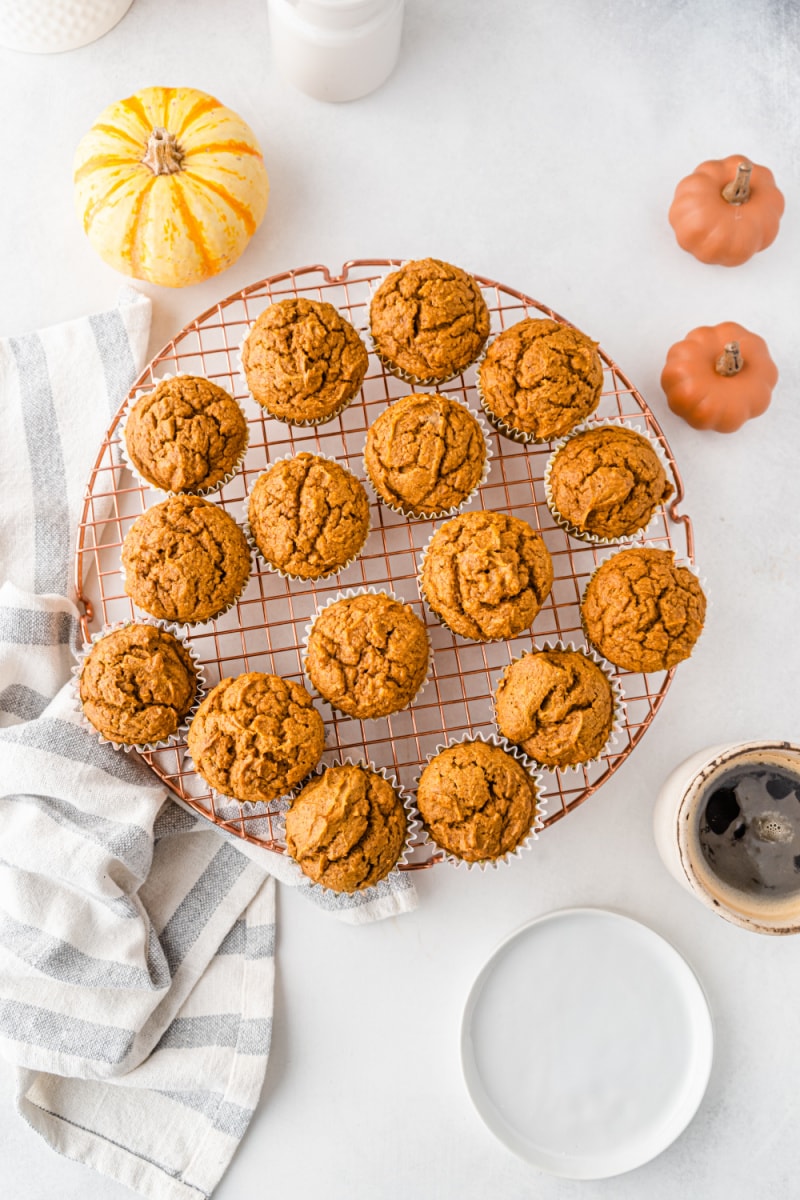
264,631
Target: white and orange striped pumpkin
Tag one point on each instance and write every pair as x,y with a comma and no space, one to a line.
170,185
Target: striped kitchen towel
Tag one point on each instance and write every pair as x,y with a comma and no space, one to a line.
136,942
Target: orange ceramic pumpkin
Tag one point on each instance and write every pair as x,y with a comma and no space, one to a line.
726,211
719,376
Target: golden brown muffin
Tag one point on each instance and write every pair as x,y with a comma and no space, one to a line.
607,482
476,801
137,684
425,455
303,361
641,611
540,379
346,828
256,736
309,517
186,435
557,705
367,655
185,560
486,575
428,320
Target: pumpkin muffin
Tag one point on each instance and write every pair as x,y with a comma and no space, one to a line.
137,684
367,655
428,321
476,801
185,560
641,611
558,705
256,736
303,361
540,379
347,828
187,435
308,516
606,482
425,455
486,575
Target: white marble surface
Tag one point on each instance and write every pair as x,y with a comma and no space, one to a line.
538,144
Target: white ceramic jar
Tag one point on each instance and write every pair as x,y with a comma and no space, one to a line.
335,49
677,825
52,26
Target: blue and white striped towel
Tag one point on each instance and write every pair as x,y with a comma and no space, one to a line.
136,942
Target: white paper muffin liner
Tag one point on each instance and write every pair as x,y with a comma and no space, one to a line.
253,544
456,508
129,463
677,561
493,739
348,594
413,825
582,534
181,731
289,420
398,372
618,703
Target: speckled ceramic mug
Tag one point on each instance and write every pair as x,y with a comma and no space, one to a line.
681,814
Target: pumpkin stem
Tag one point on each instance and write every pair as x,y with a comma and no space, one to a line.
730,362
163,155
738,190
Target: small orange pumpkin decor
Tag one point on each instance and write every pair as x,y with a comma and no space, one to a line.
726,211
719,376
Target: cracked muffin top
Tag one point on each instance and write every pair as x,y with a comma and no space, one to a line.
367,655
428,320
540,379
346,828
186,435
641,611
137,684
309,517
476,801
425,454
486,575
256,736
303,361
607,482
557,705
185,560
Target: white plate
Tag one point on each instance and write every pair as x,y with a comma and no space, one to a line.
586,1043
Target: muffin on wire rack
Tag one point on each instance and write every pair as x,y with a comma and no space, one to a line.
348,827
428,321
302,361
425,455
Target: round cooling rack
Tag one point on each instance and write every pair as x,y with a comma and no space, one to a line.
264,631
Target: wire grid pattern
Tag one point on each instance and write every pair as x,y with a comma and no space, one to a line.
265,630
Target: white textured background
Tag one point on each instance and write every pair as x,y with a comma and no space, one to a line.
538,144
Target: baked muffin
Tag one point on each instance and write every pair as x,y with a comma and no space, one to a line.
425,455
187,435
308,516
185,560
558,705
539,379
476,801
137,685
256,736
428,321
606,482
347,828
641,611
367,655
303,361
486,575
